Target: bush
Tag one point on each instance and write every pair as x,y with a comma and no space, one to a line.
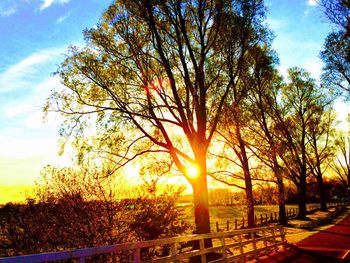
80,208
72,222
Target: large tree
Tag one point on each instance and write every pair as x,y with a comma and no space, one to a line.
293,114
265,144
155,75
320,151
233,156
236,158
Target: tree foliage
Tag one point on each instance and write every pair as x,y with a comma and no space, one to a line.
335,55
336,52
338,13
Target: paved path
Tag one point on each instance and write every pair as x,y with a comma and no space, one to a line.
329,245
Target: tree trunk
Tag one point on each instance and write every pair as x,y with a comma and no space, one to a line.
201,205
250,202
323,196
201,213
247,177
348,186
201,202
302,198
281,201
280,186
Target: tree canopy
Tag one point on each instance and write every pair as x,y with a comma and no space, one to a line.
336,52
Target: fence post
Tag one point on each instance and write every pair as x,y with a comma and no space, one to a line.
173,249
241,251
261,219
137,255
217,226
236,223
228,225
275,216
202,247
243,222
252,236
271,217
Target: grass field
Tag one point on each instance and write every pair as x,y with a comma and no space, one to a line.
221,214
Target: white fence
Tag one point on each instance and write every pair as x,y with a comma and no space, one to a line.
232,246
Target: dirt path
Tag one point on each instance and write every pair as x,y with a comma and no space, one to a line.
328,245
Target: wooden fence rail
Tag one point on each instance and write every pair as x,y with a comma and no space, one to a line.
264,219
233,246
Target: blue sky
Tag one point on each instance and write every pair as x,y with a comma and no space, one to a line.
34,36
36,33
300,29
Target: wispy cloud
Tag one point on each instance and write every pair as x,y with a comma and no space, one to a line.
312,2
21,75
48,3
7,8
23,125
275,24
62,18
26,113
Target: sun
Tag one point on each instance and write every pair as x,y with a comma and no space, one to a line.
192,171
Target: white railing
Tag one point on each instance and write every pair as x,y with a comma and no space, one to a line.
233,246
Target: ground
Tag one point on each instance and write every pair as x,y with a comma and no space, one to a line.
328,243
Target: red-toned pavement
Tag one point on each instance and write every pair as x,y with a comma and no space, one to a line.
329,245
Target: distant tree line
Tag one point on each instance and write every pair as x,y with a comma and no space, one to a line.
265,194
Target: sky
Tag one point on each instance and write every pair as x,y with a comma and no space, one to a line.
35,35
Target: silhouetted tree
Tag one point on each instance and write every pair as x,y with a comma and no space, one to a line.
155,76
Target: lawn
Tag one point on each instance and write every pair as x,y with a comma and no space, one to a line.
222,214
